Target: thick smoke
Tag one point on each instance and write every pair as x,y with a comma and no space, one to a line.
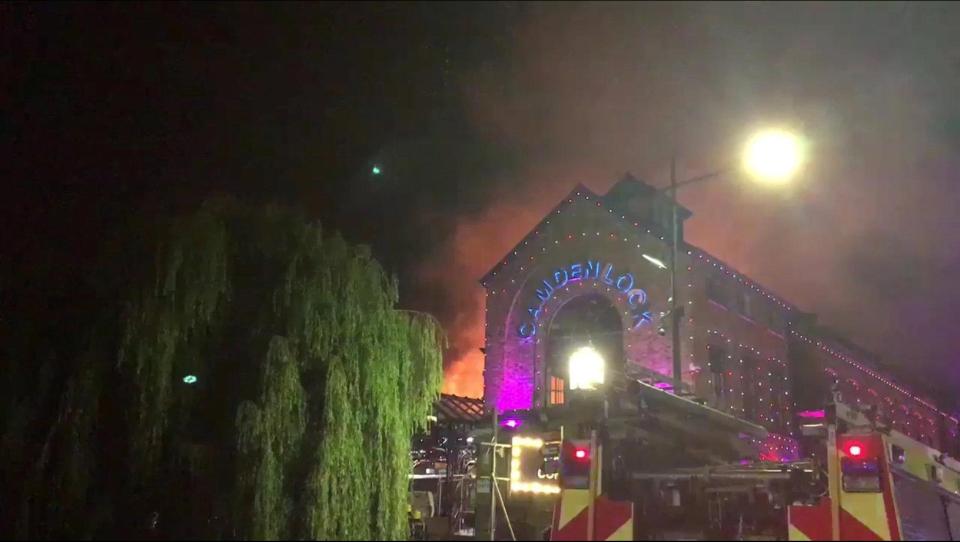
483,116
866,238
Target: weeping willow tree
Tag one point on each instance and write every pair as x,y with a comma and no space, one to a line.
266,381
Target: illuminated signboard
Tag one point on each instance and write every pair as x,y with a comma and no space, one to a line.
592,269
534,467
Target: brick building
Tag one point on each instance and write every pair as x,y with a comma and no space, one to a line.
594,271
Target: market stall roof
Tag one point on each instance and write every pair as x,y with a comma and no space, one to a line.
457,409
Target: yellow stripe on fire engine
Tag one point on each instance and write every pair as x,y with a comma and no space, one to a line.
868,509
796,534
572,502
625,532
920,458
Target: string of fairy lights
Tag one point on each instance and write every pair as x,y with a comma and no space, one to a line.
926,426
528,260
774,412
611,236
582,194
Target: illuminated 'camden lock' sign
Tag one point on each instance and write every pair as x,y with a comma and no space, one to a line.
636,298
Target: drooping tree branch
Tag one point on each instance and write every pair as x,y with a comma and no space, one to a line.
267,378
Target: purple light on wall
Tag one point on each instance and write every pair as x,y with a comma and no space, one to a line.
515,396
512,423
663,385
517,383
812,414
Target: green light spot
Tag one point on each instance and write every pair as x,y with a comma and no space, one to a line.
376,170
189,379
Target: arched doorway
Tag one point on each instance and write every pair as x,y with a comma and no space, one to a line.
584,320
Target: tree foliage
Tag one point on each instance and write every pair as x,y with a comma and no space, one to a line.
310,384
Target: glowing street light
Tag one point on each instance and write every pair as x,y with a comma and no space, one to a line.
376,170
190,379
586,368
773,156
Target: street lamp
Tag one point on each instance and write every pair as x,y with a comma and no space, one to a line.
771,156
586,367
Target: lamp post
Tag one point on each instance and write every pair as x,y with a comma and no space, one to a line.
586,369
772,156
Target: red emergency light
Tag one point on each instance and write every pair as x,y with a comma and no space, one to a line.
575,464
860,467
854,449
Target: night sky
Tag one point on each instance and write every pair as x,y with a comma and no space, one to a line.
481,117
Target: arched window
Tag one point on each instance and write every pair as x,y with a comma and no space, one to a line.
587,320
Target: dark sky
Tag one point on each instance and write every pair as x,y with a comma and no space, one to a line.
482,116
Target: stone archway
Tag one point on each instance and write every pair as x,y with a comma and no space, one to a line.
522,380
590,319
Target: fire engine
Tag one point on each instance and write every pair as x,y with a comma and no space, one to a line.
648,464
881,485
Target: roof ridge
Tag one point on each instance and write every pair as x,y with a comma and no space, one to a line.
577,189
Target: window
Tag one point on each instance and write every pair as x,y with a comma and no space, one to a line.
778,385
715,291
742,303
746,307
716,356
772,318
777,321
750,392
765,314
897,454
556,390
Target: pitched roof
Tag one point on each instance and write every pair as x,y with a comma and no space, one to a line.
582,192
575,193
454,408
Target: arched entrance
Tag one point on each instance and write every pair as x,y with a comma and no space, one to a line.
589,319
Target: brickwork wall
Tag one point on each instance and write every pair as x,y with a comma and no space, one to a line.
738,348
582,232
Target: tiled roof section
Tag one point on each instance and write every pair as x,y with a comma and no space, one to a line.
454,408
826,347
699,253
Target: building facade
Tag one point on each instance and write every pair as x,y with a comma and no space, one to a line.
595,272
